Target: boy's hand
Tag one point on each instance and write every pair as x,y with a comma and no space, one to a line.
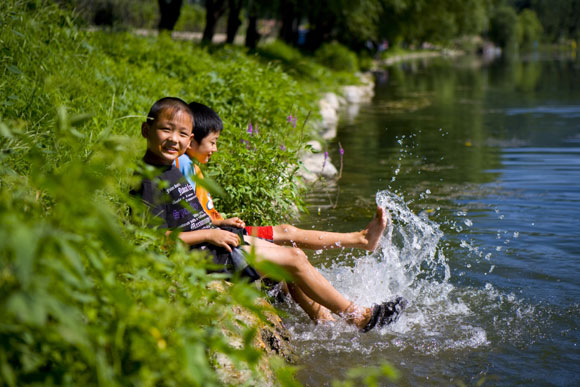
231,222
225,239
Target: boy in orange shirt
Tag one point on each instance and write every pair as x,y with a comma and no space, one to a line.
206,132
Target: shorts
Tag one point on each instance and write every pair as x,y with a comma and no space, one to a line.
234,262
262,232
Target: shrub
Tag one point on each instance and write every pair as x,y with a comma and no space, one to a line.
336,56
503,27
278,50
192,18
530,28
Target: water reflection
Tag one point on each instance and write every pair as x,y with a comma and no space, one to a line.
488,156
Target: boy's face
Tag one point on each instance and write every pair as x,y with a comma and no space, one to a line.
202,151
168,136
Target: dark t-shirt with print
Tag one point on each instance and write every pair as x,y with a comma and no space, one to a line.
175,204
173,200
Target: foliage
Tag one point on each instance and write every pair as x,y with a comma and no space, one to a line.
503,27
529,28
134,13
192,18
88,293
337,57
303,67
559,19
368,376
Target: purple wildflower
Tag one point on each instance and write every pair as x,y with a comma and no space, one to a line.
325,158
250,129
292,120
283,148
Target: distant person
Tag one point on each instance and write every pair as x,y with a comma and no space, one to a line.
168,130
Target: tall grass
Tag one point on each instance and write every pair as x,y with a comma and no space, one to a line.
88,294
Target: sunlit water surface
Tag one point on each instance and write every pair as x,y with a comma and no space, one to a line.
479,167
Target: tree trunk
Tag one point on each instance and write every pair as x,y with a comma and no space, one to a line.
321,27
235,7
169,10
252,35
290,21
214,9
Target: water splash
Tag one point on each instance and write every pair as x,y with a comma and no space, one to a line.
410,263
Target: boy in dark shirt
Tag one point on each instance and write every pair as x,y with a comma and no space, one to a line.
168,131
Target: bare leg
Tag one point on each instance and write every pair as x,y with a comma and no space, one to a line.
309,280
368,238
315,311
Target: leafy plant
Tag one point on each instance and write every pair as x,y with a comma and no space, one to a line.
337,57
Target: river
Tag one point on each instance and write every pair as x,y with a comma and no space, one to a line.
479,166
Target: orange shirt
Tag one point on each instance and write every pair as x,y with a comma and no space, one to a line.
203,196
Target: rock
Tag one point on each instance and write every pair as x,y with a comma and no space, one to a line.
329,115
313,167
332,100
329,104
273,338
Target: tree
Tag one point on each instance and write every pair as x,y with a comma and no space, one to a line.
214,10
290,16
252,35
503,27
169,10
530,28
234,22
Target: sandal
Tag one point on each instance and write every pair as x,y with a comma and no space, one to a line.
385,313
376,314
392,311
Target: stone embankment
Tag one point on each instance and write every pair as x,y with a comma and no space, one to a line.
272,337
331,106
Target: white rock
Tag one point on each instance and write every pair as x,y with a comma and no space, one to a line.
312,167
332,100
329,116
315,145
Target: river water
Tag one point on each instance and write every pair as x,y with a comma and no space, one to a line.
479,166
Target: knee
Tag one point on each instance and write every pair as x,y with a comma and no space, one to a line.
300,261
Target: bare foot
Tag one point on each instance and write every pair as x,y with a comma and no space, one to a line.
360,317
374,230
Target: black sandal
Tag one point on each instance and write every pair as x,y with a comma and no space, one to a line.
376,314
385,313
392,310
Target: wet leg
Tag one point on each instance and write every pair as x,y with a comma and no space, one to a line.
309,280
368,238
315,311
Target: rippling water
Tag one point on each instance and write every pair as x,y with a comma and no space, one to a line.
479,167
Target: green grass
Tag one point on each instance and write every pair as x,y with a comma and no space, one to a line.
88,294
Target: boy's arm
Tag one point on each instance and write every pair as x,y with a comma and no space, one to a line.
216,237
232,222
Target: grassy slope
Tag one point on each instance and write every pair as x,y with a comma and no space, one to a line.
88,294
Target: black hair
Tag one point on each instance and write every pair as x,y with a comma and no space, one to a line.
172,104
206,121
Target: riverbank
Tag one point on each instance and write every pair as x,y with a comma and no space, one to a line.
406,56
91,294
